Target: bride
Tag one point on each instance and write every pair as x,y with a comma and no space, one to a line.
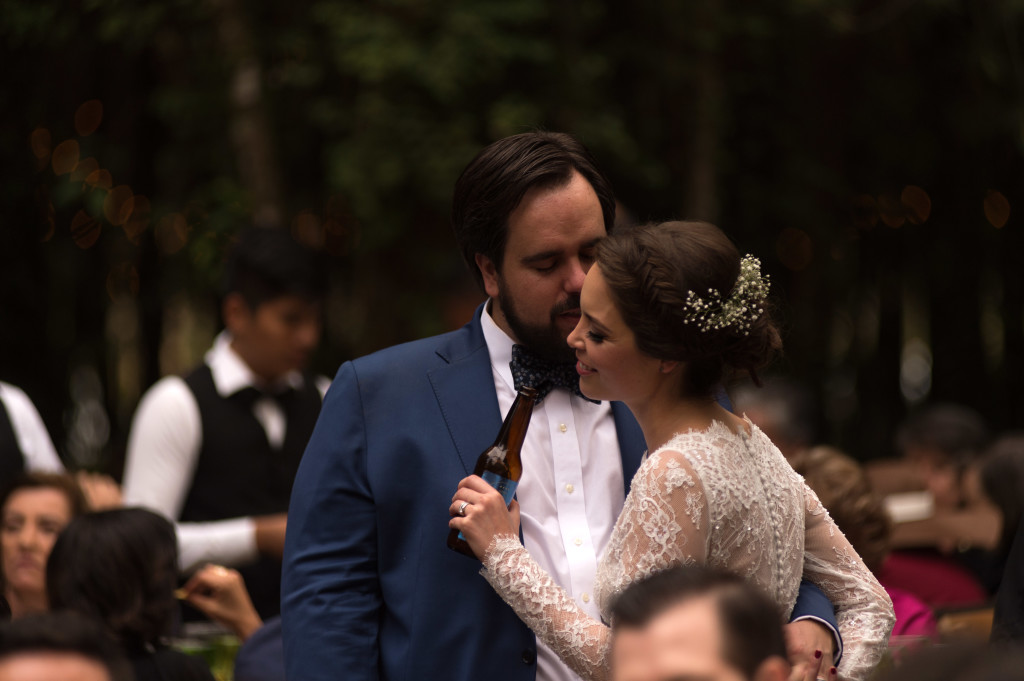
665,310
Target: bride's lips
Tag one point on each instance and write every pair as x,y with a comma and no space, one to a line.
584,370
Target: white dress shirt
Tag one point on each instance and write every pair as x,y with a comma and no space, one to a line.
29,431
163,451
571,491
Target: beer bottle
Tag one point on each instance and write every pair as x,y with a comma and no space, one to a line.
500,464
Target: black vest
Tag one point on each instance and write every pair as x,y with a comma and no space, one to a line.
12,459
239,474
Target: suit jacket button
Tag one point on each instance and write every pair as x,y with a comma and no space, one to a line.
529,656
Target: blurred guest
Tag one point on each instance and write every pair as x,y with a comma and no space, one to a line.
844,489
119,567
960,662
217,450
957,527
1002,477
25,443
784,409
941,442
221,594
695,622
1002,480
34,509
63,646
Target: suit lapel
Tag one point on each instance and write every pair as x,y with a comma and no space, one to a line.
464,388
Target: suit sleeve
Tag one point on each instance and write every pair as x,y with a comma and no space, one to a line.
813,604
330,590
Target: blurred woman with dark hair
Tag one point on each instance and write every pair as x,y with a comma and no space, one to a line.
119,567
34,509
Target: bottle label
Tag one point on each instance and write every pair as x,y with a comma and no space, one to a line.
505,487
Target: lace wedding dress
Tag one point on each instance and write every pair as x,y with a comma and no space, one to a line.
719,498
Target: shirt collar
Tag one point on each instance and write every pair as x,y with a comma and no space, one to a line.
499,346
231,373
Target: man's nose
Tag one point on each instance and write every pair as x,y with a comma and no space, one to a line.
575,276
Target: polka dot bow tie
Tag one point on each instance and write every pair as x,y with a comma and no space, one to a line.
542,374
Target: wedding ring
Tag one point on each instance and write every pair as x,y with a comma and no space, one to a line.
462,508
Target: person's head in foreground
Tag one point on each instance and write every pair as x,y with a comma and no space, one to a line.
34,508
119,567
60,646
667,309
696,623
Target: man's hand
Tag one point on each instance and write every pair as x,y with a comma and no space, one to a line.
809,645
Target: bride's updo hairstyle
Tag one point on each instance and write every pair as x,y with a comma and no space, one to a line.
684,291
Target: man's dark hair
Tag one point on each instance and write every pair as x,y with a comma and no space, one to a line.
751,622
267,263
67,633
494,183
120,567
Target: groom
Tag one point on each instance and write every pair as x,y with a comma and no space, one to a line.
370,591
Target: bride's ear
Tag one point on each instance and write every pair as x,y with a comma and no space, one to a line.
669,365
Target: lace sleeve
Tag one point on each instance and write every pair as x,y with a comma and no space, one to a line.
863,608
662,524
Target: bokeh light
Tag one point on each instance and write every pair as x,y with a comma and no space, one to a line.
41,143
891,211
997,209
84,168
101,179
85,229
88,117
118,205
171,233
794,248
65,157
139,219
916,203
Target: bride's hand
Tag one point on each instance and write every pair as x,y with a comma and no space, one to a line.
484,515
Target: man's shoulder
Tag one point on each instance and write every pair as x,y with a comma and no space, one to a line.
444,348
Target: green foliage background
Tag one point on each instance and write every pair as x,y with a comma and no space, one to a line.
796,125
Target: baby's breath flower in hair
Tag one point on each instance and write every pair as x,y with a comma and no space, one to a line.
739,311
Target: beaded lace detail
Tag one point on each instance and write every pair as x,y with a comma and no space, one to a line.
714,497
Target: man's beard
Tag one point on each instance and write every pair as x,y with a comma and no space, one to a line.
547,341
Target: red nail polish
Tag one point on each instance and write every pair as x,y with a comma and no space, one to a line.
817,654
832,671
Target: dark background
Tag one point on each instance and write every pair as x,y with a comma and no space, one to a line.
869,152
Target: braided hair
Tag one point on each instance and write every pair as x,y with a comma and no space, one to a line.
651,271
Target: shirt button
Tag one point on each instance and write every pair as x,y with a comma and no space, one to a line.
562,427
569,488
577,541
585,597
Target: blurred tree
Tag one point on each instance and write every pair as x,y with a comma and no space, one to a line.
868,150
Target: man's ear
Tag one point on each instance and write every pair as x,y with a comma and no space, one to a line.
668,365
235,311
490,274
774,668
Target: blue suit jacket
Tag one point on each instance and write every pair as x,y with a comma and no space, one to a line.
369,589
